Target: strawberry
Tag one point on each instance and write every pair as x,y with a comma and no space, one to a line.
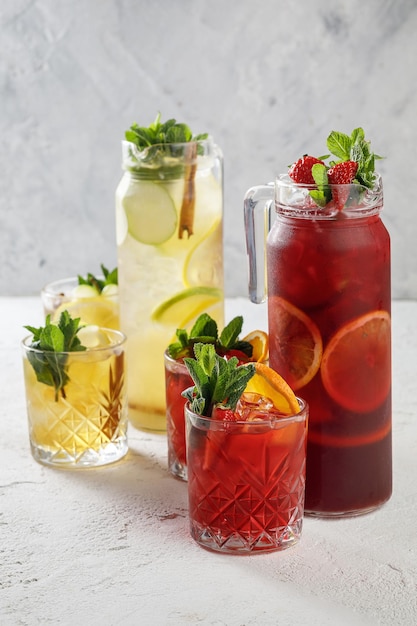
228,353
342,173
300,171
225,415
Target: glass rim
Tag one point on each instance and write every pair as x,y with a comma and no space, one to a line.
302,415
169,357
209,141
283,180
172,360
293,199
121,341
166,161
47,288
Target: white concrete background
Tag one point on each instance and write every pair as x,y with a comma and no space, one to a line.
268,80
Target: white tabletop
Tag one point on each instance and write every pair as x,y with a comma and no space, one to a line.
111,546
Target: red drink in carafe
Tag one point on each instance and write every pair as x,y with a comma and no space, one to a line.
329,308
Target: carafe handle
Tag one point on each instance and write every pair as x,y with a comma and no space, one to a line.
257,213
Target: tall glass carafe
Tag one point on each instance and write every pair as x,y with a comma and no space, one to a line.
169,207
329,303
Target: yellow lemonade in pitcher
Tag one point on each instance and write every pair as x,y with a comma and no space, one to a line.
169,207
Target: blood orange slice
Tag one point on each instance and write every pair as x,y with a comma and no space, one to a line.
356,364
295,343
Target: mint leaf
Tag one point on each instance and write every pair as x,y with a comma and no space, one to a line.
339,144
168,132
231,332
110,278
179,133
361,153
53,339
205,331
319,173
321,195
357,135
204,326
53,342
354,148
217,381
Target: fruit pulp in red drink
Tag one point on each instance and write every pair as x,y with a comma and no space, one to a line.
246,480
336,271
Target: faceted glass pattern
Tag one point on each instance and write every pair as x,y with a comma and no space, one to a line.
86,426
246,482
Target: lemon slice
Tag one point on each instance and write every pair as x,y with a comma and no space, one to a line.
98,311
91,336
204,264
150,213
186,305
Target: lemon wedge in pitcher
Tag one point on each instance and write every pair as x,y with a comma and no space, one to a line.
186,305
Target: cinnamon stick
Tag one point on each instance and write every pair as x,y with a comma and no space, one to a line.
188,201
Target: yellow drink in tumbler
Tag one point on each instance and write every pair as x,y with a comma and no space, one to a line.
169,207
83,423
93,299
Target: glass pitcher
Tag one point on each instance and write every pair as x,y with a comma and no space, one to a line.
328,287
169,206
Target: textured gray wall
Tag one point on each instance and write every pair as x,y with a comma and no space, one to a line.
267,79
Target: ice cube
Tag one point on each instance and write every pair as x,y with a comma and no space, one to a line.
253,407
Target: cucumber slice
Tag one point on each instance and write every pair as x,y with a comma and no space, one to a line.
150,213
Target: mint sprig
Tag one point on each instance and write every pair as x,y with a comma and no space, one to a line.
354,148
205,330
52,341
110,278
217,381
164,149
167,132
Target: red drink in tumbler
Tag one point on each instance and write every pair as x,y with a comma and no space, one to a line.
177,379
253,347
246,479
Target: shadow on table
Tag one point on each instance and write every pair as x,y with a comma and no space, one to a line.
138,483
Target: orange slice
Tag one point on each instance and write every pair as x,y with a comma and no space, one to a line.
266,382
295,343
260,344
356,364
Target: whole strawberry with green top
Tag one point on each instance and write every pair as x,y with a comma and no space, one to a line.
355,164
